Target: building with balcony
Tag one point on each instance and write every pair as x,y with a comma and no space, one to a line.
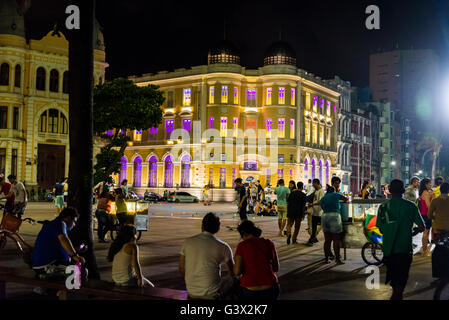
222,121
344,140
34,141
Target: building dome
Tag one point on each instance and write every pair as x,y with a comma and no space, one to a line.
11,18
280,53
223,52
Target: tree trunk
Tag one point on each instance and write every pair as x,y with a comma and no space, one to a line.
81,67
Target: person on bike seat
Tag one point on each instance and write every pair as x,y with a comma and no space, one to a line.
53,249
20,194
7,193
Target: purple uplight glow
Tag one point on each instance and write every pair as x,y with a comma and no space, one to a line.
211,122
186,123
153,130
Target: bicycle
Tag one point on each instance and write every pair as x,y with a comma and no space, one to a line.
372,252
9,228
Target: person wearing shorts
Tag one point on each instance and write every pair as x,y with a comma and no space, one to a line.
282,193
331,223
316,211
58,191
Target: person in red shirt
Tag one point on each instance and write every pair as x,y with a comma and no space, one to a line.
257,261
7,193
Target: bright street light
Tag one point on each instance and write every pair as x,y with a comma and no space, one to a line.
393,163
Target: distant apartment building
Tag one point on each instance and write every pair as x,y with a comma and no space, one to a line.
407,79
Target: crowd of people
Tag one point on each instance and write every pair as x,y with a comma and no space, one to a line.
251,269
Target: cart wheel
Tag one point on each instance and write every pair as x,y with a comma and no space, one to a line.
442,290
369,254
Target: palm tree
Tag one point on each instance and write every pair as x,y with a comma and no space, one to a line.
432,144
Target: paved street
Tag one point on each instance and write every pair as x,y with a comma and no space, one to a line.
302,275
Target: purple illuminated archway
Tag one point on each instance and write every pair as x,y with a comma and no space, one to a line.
153,172
313,169
320,171
123,169
306,169
327,172
185,171
168,172
137,172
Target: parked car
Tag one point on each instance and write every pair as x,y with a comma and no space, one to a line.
152,196
134,196
182,197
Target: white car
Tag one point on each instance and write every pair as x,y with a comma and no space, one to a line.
182,197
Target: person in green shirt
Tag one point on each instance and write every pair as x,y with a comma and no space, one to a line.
395,219
282,193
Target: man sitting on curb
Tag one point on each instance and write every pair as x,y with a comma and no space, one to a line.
53,250
201,259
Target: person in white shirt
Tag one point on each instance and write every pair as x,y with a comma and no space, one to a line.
268,193
21,199
317,211
309,189
201,259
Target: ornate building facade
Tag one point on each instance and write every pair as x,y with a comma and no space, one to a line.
34,141
222,121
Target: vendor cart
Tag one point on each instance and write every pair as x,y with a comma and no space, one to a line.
137,215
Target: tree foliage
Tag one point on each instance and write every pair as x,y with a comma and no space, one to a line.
121,105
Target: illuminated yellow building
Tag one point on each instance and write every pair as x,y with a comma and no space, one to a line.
210,112
34,141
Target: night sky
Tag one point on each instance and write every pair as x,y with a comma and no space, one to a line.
329,37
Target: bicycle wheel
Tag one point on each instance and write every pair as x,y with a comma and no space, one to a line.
442,290
378,254
368,254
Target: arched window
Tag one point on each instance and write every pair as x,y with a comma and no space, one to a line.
17,76
65,82
327,172
40,78
53,121
123,168
137,172
153,172
54,80
43,122
64,125
4,74
168,172
185,171
53,117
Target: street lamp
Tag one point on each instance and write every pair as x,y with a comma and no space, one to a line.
393,163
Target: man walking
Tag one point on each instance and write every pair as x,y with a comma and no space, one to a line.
411,193
395,219
296,209
58,192
282,192
200,260
20,201
242,201
317,211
